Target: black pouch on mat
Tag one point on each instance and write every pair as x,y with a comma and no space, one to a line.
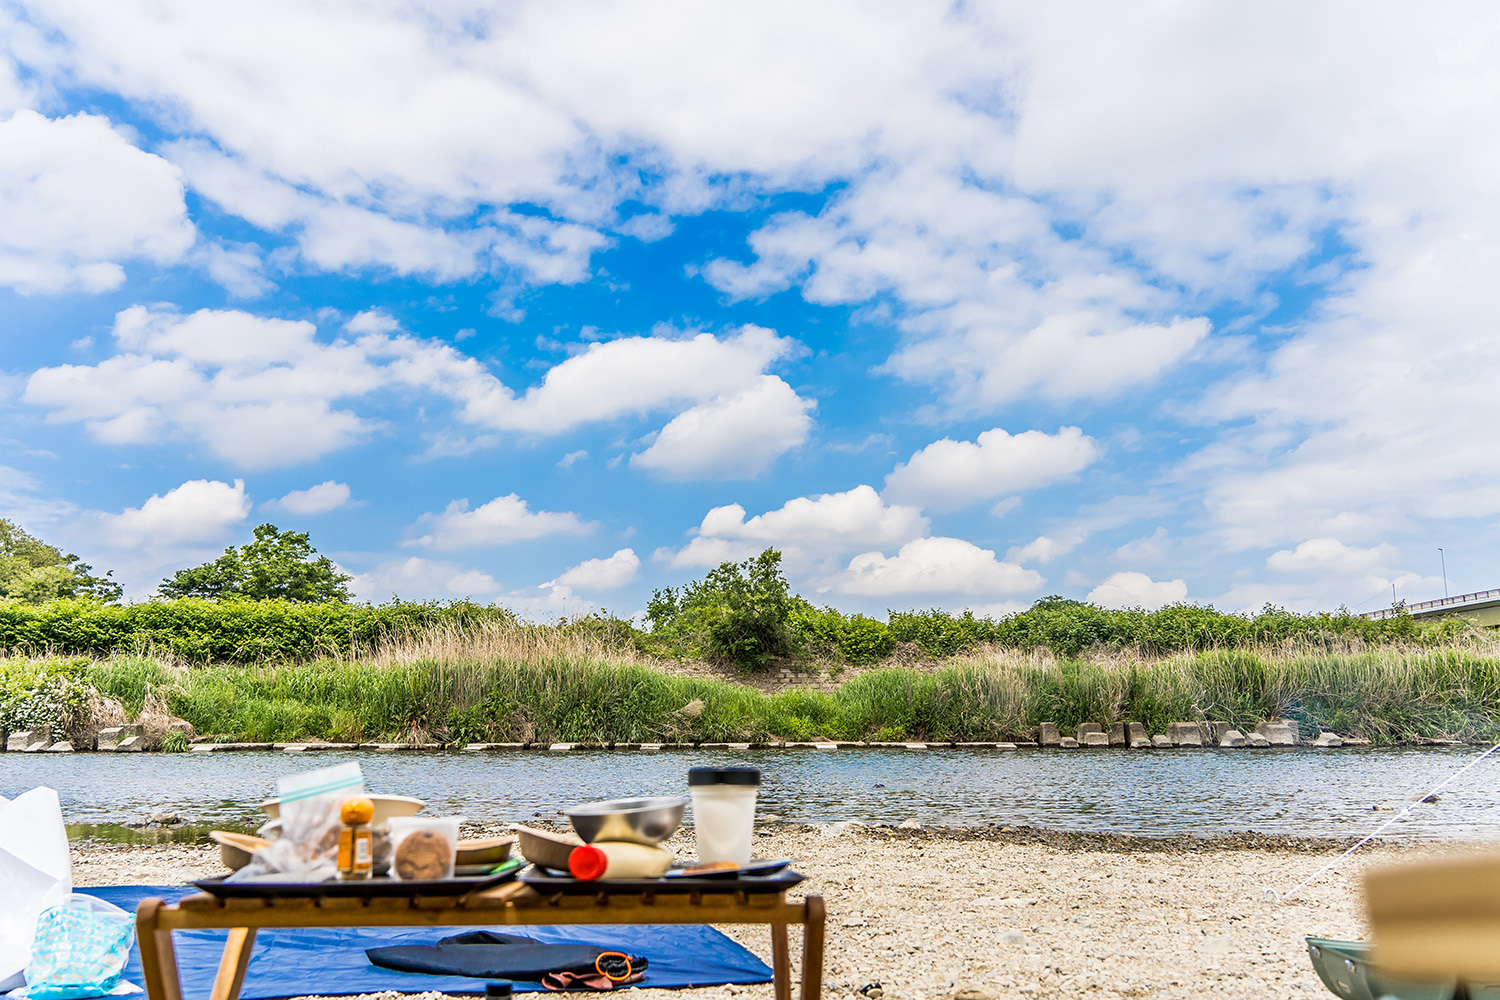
487,955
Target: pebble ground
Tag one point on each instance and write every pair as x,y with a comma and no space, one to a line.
973,915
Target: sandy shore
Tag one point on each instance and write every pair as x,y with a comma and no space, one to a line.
939,914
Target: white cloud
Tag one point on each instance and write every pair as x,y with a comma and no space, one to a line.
200,510
502,521
237,267
257,391
418,579
730,437
1004,506
948,474
1044,548
265,392
22,500
998,307
601,574
804,529
369,157
1137,590
1044,200
1329,555
320,499
648,227
934,566
629,375
430,233
1152,548
77,200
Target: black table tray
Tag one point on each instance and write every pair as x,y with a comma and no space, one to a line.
363,889
547,881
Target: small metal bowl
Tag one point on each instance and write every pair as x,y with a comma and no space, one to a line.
637,821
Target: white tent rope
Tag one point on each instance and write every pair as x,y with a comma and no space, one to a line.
1272,894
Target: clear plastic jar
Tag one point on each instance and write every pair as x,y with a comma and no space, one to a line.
723,812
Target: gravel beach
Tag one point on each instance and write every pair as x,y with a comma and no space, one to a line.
987,913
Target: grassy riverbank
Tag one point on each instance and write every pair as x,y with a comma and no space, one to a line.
537,686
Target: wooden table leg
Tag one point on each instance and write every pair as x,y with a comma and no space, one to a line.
781,962
232,966
158,957
812,949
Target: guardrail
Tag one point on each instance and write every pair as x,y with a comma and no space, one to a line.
1442,602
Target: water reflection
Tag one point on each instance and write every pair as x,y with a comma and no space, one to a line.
1161,792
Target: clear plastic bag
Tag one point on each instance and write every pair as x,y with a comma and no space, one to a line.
81,947
423,847
307,850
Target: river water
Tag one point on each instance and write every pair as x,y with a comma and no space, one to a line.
1338,793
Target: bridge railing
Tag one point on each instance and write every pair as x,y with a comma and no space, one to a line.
1442,602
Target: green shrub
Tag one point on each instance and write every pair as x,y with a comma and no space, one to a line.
739,612
939,633
235,631
828,633
36,693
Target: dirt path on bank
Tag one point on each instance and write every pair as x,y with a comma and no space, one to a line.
934,914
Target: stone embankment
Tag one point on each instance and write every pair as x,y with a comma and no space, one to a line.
1121,735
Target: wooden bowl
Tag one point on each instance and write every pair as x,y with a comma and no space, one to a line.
386,806
550,850
488,851
235,848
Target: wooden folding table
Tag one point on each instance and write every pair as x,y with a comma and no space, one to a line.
514,904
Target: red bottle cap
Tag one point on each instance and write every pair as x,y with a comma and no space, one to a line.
588,862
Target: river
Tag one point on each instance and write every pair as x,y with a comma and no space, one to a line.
1328,793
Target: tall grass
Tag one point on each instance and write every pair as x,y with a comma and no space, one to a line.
513,684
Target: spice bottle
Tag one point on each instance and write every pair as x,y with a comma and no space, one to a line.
354,838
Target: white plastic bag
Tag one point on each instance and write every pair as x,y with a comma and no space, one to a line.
36,873
81,947
307,849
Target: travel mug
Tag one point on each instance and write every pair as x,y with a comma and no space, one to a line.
723,811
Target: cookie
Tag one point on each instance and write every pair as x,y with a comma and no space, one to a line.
423,854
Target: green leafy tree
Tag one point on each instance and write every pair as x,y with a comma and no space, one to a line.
276,565
35,572
740,611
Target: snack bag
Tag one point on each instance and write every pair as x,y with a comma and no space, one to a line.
81,947
308,847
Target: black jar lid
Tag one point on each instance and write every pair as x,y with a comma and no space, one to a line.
723,776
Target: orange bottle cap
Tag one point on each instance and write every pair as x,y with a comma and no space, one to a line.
588,862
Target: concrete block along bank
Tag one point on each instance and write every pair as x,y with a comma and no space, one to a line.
1089,735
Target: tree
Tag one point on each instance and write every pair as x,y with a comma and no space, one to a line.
33,571
275,565
740,611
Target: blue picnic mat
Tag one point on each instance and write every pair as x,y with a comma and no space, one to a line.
331,961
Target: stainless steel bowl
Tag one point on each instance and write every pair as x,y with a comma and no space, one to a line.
646,821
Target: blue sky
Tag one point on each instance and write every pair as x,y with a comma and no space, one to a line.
556,303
